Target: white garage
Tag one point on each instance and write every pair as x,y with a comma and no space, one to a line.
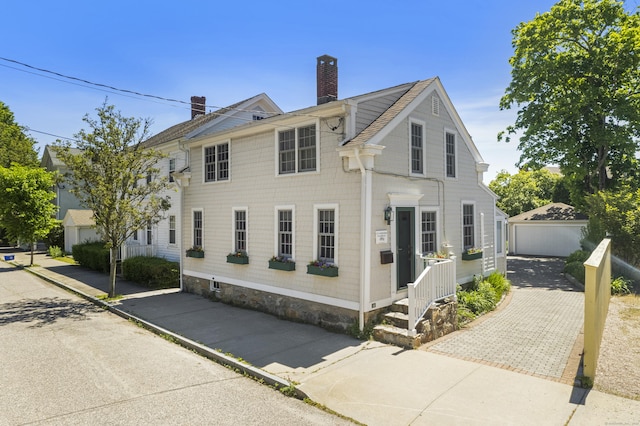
551,230
79,227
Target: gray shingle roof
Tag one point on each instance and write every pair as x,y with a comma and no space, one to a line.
552,211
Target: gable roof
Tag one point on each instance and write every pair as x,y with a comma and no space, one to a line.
78,217
391,117
50,160
204,121
550,212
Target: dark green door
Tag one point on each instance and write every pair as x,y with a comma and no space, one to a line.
404,246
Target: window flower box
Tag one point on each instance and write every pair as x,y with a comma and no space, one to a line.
282,264
322,268
195,252
239,258
472,254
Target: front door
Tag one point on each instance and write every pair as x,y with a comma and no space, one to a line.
405,231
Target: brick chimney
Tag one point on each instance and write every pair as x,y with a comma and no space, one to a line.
327,76
198,106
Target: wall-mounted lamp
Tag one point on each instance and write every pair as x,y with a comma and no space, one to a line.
387,214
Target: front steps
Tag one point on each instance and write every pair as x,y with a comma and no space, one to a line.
441,319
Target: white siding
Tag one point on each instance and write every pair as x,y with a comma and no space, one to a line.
255,184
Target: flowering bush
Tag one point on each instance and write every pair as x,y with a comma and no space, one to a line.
437,255
282,259
196,248
473,250
238,253
322,264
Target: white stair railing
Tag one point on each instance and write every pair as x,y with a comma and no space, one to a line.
436,282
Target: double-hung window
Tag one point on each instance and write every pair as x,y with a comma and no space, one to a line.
468,226
297,150
240,230
285,233
197,228
172,168
429,229
326,235
216,162
417,148
172,229
149,234
450,154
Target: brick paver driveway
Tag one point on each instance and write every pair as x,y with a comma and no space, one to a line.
534,332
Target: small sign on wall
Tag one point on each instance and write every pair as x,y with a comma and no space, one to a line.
382,236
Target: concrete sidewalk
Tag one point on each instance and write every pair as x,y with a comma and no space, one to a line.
370,382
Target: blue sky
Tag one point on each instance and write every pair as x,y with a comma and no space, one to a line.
229,51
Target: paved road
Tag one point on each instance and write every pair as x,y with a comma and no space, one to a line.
535,332
65,361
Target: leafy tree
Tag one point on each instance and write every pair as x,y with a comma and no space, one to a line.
15,145
26,210
105,177
576,81
617,212
527,190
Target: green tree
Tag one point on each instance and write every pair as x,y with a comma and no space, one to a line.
527,190
26,210
108,176
15,145
576,81
617,213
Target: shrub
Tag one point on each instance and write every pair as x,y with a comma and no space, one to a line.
620,286
92,255
152,272
500,284
576,270
55,251
578,256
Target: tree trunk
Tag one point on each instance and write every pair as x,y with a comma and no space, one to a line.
112,271
31,264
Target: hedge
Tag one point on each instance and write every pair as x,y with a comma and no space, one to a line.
92,255
152,272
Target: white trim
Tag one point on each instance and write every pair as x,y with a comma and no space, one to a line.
276,228
404,200
475,223
455,153
245,209
296,128
501,220
427,209
336,229
204,168
331,301
424,146
192,242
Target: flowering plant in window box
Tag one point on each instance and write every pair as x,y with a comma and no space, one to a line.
436,255
238,257
472,253
282,263
323,268
195,251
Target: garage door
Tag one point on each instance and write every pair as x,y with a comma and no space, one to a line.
547,240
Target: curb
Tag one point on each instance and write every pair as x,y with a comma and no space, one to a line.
220,358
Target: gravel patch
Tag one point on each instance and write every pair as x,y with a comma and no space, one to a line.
617,371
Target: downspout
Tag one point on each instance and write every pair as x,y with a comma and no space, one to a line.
365,240
182,189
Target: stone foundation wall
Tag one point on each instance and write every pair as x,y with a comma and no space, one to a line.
326,316
439,321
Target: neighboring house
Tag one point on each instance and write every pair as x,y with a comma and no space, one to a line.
368,184
65,200
165,237
551,230
79,227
